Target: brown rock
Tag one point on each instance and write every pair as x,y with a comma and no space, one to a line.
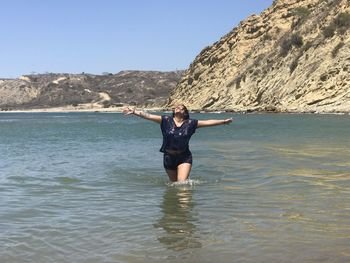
280,60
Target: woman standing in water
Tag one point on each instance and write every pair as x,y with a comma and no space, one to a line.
177,131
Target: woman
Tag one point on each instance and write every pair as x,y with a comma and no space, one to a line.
177,131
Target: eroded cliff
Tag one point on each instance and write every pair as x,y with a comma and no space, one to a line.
293,57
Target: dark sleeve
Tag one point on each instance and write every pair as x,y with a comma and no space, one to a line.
193,126
163,123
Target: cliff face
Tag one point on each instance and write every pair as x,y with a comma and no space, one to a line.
142,88
294,56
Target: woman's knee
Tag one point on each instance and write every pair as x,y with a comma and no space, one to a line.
183,171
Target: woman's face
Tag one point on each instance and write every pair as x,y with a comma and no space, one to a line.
179,109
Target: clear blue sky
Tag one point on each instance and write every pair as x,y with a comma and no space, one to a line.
96,36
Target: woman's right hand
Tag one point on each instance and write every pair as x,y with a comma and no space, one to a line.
128,111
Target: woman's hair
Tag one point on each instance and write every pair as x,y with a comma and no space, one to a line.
186,114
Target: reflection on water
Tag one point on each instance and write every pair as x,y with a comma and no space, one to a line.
90,188
178,219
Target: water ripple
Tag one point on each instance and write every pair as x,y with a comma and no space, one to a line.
91,188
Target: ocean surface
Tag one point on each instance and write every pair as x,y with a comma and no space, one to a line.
90,187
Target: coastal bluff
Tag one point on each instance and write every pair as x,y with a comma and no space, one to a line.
81,91
293,57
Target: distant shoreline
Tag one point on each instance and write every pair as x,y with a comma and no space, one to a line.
89,108
63,109
79,108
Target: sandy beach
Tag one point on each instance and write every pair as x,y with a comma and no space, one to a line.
98,108
88,107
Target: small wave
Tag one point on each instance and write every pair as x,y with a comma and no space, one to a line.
67,180
22,179
58,116
9,120
187,183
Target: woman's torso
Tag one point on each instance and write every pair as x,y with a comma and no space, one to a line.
176,138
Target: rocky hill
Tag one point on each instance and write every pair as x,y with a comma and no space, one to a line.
142,88
293,57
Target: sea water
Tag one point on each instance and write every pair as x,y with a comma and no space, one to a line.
90,187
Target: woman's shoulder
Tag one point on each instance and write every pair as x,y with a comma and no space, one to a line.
166,117
192,122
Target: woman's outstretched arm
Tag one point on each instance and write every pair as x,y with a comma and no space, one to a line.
142,114
208,123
